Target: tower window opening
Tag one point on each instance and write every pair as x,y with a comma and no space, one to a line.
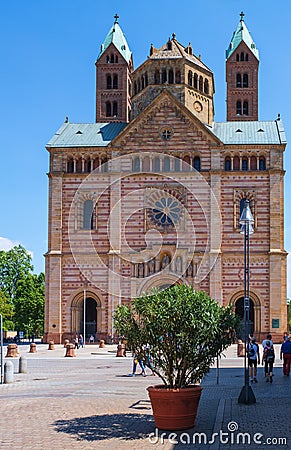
190,78
108,82
108,109
115,82
242,56
201,83
238,108
245,164
227,164
114,110
238,80
88,215
262,163
164,76
245,80
171,76
206,86
112,58
195,81
197,163
246,108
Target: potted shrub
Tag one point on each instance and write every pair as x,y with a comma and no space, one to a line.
185,331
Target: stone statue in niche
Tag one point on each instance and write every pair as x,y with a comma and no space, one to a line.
140,270
190,270
178,264
151,266
165,261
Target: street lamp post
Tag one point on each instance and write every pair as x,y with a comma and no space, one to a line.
246,221
84,315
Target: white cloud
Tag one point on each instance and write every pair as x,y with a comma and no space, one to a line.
7,244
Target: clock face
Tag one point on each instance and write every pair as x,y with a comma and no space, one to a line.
198,106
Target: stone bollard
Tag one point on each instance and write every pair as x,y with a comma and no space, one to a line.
120,349
70,350
66,343
8,372
22,364
32,348
102,344
51,345
12,350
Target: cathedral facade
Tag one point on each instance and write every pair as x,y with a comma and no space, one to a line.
151,193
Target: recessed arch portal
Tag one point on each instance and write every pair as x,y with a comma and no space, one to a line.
93,317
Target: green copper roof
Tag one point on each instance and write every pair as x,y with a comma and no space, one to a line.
242,34
117,38
250,132
85,134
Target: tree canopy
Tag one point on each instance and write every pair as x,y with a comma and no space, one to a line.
21,292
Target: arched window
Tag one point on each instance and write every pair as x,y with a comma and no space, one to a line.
112,58
200,83
195,81
171,76
177,165
242,56
157,76
88,215
246,108
142,82
245,164
197,163
178,77
253,163
206,86
262,163
237,56
70,165
247,57
164,76
236,163
227,164
238,80
245,80
115,82
88,165
79,165
146,79
241,206
190,77
138,85
136,164
238,108
108,109
108,82
157,164
166,164
116,58
114,112
108,59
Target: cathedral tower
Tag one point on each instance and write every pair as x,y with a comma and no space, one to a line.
113,68
242,64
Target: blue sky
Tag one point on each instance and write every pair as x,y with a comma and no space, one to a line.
48,51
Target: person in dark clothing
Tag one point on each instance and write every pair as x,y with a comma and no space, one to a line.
268,359
286,353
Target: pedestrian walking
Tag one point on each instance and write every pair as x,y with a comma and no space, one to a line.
286,353
253,354
76,342
137,360
268,339
81,341
268,359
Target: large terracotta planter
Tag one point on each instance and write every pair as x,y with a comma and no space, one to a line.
174,409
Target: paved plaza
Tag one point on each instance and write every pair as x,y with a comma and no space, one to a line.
89,402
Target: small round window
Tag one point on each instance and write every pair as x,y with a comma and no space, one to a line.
166,133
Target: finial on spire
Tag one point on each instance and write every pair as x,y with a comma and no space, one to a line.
173,36
116,17
242,16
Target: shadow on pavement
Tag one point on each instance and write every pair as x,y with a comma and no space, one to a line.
108,426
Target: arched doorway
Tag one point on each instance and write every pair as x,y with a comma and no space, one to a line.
239,310
90,319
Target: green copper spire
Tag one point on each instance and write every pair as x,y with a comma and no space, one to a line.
242,34
117,38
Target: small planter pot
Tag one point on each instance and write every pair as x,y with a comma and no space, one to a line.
174,409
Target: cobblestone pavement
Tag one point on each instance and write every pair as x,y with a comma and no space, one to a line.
89,402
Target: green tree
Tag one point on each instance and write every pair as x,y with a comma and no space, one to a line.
14,264
29,304
6,309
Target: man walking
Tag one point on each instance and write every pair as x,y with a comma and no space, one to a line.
286,352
